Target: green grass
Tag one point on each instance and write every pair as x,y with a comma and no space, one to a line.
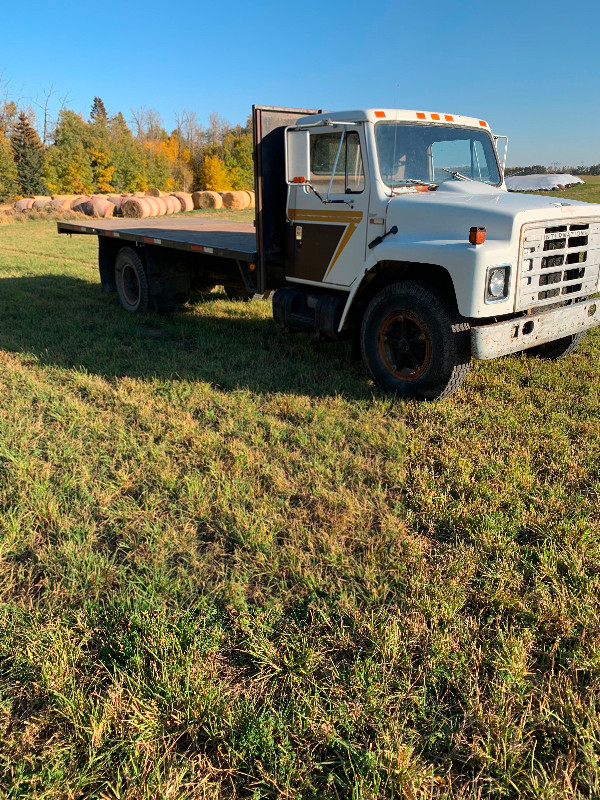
588,192
231,568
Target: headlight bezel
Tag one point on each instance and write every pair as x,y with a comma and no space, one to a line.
489,298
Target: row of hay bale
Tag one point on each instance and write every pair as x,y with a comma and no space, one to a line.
153,203
105,206
236,199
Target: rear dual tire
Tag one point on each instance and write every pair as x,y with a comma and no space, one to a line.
133,287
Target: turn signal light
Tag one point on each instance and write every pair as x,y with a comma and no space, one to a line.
477,235
301,179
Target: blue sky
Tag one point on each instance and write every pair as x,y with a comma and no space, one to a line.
529,69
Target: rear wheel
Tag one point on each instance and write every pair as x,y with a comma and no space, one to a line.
559,348
132,282
414,343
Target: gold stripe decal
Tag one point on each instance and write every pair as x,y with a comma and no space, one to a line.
350,218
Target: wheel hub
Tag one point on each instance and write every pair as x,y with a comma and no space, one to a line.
130,284
404,345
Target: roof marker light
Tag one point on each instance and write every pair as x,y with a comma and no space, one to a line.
380,113
435,116
482,123
420,115
448,118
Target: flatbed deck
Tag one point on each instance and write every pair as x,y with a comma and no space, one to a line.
235,240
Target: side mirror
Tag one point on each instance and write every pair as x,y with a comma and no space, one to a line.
297,156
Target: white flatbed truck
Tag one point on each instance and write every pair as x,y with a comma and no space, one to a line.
392,227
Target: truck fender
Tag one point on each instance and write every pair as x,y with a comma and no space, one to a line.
370,264
406,270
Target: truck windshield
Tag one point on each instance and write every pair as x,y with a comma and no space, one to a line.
410,154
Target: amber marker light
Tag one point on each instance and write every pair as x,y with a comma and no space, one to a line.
448,118
252,267
421,115
435,116
477,235
380,114
301,179
482,123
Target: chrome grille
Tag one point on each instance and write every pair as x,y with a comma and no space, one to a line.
558,261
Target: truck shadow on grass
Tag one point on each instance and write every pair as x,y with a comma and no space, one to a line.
73,324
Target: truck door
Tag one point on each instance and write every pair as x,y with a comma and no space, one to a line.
327,235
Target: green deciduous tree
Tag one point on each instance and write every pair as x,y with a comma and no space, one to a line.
68,162
237,155
29,157
127,157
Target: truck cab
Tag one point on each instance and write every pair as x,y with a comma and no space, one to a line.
400,232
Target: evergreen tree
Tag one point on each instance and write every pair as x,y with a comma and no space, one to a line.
9,177
29,157
99,148
98,115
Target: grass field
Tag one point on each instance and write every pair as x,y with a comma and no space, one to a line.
231,568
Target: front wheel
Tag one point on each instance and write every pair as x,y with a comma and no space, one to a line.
414,343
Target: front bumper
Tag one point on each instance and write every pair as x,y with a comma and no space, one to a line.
501,338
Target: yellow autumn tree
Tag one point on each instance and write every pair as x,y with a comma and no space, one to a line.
103,171
213,174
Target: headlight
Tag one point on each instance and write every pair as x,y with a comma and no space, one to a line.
496,284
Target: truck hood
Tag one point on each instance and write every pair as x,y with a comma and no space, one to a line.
449,212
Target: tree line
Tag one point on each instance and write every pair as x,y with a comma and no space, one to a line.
555,169
103,154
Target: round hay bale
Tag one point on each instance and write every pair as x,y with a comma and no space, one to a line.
78,201
135,207
234,200
250,197
88,207
207,200
24,205
41,203
138,194
62,203
116,200
173,205
180,203
154,192
152,206
161,206
185,200
244,197
102,207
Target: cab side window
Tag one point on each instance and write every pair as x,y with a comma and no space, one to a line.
349,175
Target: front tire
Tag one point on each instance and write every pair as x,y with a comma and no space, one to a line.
559,348
414,343
132,282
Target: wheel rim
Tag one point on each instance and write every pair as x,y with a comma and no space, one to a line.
404,345
130,284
